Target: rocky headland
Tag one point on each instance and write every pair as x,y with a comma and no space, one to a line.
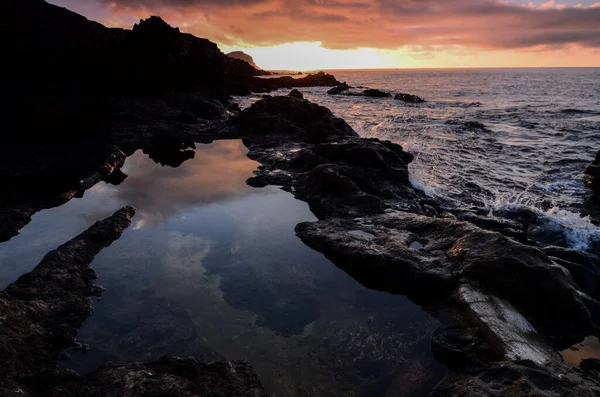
246,58
507,299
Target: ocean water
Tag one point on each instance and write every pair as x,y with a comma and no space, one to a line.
212,268
542,129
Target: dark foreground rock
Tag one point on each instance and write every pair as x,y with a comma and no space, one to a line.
167,377
409,98
507,307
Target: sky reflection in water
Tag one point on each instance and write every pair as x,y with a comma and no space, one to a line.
212,268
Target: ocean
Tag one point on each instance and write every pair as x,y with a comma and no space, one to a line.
542,127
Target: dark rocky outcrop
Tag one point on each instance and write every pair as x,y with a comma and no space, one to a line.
20,205
289,119
339,89
307,150
409,98
168,377
375,93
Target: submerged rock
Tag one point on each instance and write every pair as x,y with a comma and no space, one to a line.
409,98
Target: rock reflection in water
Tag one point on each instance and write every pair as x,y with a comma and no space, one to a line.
213,269
218,172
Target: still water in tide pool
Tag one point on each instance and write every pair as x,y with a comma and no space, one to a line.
211,268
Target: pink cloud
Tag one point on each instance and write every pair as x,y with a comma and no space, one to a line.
386,24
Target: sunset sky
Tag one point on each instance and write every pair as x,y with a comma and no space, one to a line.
336,34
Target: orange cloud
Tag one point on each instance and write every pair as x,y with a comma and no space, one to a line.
387,24
413,29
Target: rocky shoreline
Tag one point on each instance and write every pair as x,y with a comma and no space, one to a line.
507,301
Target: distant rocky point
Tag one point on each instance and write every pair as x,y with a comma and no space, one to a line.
242,56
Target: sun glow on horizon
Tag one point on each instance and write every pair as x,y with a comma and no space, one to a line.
312,56
309,56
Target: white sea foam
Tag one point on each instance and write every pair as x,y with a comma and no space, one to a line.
578,231
416,182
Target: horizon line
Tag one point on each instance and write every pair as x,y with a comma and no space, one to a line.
434,68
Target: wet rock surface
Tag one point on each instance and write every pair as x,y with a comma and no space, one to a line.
319,158
449,253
